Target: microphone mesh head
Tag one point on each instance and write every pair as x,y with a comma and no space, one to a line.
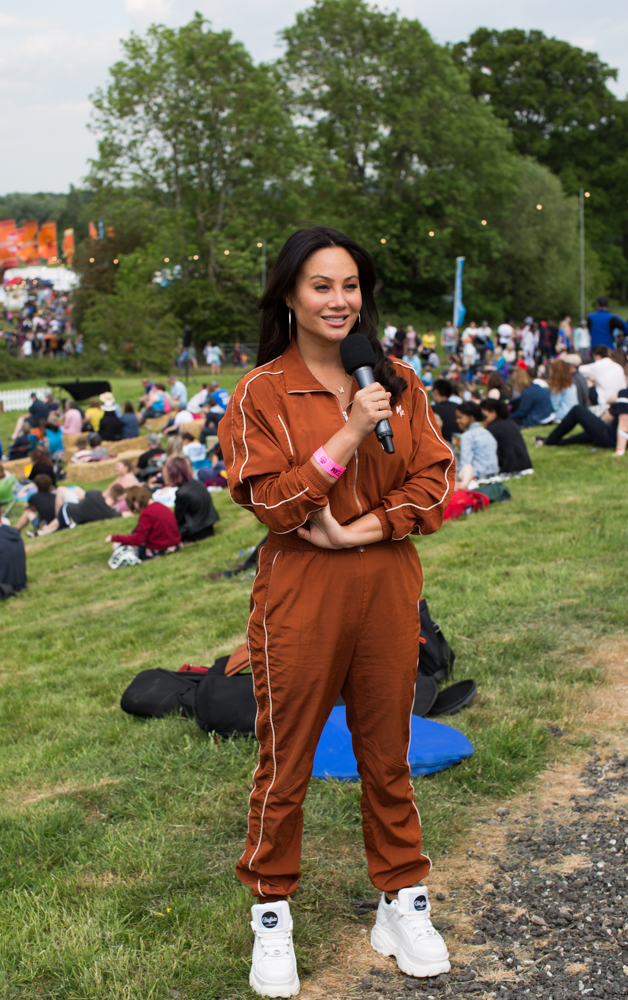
356,352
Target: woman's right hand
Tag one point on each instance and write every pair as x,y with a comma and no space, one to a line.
369,406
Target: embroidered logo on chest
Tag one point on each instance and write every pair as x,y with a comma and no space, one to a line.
400,411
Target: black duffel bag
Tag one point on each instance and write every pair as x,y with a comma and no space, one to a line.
222,703
436,658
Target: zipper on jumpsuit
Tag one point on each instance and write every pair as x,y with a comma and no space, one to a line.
345,417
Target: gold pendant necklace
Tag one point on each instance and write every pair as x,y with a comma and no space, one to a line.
339,388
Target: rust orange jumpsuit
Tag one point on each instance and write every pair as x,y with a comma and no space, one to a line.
325,622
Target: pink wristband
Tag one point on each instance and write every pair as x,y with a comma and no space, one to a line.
327,464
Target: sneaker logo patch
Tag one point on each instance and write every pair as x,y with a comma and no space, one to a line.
269,919
420,903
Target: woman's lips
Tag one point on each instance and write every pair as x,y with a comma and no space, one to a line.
335,320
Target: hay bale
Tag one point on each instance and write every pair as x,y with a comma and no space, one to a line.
17,466
92,472
158,423
194,428
126,444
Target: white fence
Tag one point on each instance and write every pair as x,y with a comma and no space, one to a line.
19,399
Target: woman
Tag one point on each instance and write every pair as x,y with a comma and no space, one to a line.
129,421
125,476
156,533
512,454
531,402
72,419
42,466
478,448
563,393
334,602
194,510
496,387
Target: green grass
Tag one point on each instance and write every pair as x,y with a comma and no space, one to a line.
118,837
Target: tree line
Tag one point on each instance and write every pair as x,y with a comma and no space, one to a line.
422,152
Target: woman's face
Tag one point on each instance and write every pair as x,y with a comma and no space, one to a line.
463,420
326,298
121,469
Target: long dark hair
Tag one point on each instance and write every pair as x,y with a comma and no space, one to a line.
273,327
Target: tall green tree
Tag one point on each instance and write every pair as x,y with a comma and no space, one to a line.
555,101
193,131
398,147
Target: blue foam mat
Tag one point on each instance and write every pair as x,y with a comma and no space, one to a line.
433,747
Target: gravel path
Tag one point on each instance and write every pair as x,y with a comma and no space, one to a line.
553,921
538,905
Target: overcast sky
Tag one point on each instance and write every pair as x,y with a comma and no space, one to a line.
53,56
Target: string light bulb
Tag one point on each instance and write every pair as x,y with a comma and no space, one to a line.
166,260
431,233
195,256
539,207
484,222
91,260
260,244
382,241
116,260
587,194
227,253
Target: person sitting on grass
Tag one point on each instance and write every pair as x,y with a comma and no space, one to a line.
40,508
129,421
193,507
75,506
563,393
608,431
444,408
531,403
156,533
125,477
478,448
42,465
605,376
154,456
93,416
21,445
512,454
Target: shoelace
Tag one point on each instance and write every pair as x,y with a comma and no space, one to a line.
418,924
274,945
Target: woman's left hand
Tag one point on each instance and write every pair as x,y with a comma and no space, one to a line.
323,530
107,539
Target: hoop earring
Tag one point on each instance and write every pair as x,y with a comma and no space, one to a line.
289,324
359,317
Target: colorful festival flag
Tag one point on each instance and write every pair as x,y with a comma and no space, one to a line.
27,242
68,244
48,242
459,309
93,234
8,244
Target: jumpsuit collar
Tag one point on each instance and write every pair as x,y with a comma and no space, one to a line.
298,377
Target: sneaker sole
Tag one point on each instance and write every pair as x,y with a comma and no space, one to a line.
290,989
410,964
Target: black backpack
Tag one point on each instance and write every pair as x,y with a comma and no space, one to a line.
436,658
220,698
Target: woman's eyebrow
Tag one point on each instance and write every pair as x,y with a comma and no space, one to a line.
331,279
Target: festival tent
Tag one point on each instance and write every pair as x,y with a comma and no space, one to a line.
62,278
83,390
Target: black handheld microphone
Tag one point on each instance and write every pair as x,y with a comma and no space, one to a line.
358,359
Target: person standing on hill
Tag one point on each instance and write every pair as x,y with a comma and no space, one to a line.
335,599
603,323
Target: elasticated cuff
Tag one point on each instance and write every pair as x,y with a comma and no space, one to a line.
313,477
380,514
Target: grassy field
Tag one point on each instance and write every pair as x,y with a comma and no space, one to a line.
118,837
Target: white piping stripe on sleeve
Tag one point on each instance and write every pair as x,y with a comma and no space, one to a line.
427,414
272,726
260,503
246,448
287,435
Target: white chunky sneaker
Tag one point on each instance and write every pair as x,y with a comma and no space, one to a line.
403,928
274,967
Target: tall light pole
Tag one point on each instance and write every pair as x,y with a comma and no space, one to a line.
582,316
262,245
